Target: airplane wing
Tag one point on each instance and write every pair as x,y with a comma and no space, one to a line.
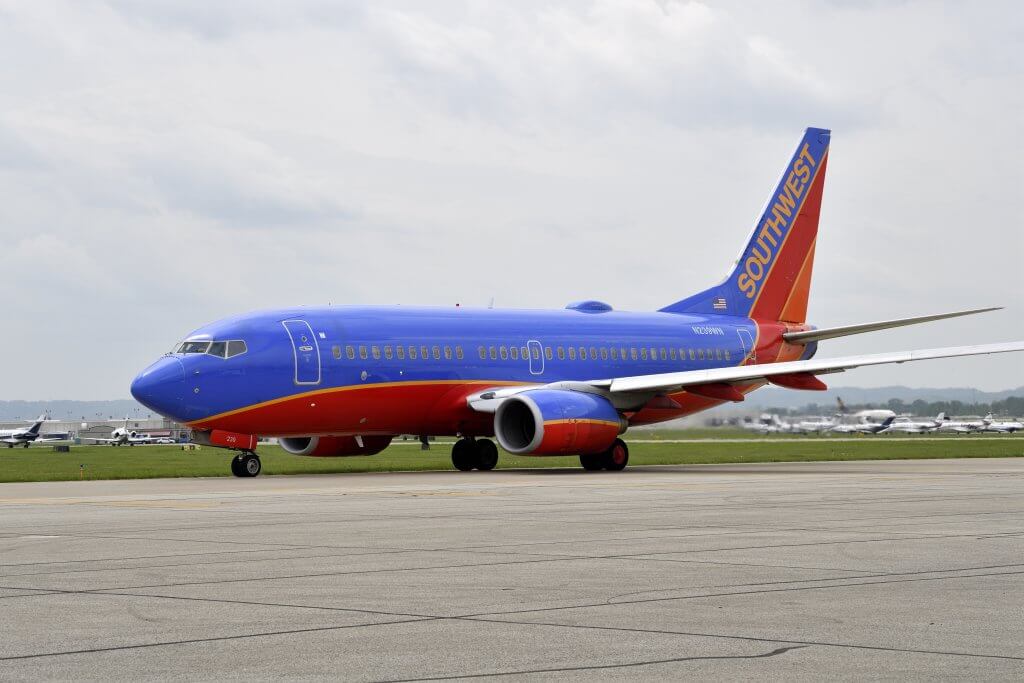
714,379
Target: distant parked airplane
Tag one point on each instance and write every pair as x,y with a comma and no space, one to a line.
25,435
992,424
910,425
959,426
864,427
338,380
122,436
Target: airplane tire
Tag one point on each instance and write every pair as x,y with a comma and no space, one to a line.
486,455
616,458
246,465
592,462
464,455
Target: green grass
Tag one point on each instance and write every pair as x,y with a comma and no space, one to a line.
142,462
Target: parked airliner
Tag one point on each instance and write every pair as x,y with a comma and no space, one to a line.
338,381
23,436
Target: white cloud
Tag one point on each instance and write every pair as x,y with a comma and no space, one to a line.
181,161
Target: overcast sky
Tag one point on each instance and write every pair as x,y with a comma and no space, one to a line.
165,163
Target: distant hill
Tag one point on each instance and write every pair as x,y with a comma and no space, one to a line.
74,410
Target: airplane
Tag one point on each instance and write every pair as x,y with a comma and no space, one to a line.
991,424
122,436
909,425
959,426
813,425
343,380
864,427
25,435
768,424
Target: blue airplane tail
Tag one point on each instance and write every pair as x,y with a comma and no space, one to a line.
772,278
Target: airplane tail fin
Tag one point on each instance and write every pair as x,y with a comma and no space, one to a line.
888,421
38,424
772,278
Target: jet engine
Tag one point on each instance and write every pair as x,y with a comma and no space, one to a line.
557,422
334,446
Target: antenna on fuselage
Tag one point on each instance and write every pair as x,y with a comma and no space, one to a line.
491,305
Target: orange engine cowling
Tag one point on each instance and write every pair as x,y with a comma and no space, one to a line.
334,446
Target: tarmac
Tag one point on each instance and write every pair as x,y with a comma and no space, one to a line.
845,570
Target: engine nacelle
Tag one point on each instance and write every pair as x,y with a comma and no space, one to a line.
556,422
334,446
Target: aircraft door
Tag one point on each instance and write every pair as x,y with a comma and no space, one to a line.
536,357
747,341
306,351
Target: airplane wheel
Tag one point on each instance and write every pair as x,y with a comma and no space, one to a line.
616,458
592,462
25,445
246,465
486,455
464,455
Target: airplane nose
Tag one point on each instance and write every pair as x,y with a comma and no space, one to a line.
161,387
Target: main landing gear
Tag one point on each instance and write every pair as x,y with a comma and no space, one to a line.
246,464
474,454
614,459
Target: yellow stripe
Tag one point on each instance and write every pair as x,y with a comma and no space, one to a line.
333,390
579,420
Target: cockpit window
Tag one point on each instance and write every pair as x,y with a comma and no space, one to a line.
193,347
236,348
218,349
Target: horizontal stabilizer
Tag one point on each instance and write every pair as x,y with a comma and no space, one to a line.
832,332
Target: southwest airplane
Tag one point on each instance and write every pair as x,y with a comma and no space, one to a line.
339,381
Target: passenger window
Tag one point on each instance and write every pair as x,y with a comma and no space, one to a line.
412,353
682,353
615,353
593,353
536,353
458,352
604,353
336,352
547,352
662,353
524,352
447,353
572,353
423,353
375,352
672,353
514,351
700,354
482,351
654,353
561,353
711,355
727,354
218,349
632,352
437,352
350,352
503,351
691,354
718,354
493,352
583,353
362,352
400,352
643,353
387,352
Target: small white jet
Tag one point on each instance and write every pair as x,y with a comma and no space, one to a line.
1002,426
813,425
910,425
864,427
25,435
122,436
959,426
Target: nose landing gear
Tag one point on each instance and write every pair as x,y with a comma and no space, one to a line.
474,454
246,464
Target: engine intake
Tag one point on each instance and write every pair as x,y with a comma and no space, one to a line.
556,422
334,446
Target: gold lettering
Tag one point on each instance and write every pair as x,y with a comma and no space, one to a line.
747,286
763,258
801,170
751,264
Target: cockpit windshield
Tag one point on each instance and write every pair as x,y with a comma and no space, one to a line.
220,349
193,347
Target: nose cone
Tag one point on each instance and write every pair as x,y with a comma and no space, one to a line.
161,387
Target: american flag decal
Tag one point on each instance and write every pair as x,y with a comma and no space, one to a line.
719,303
